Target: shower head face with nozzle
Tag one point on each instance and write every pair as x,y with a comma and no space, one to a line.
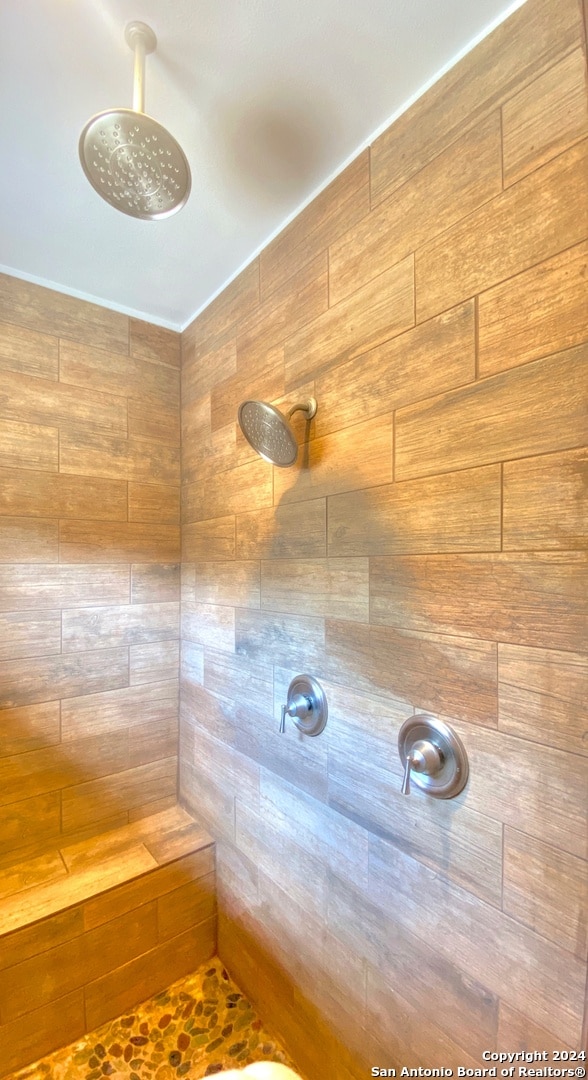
268,432
130,159
135,164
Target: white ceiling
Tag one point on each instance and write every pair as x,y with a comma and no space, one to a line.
268,98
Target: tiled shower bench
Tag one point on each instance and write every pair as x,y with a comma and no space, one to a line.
123,916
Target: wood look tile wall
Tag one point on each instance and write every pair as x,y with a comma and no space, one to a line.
89,576
425,553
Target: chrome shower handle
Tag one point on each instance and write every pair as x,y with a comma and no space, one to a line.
424,757
299,706
405,789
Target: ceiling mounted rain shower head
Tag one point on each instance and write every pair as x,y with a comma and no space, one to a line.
270,433
132,161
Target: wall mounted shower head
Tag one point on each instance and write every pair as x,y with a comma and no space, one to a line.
269,432
131,160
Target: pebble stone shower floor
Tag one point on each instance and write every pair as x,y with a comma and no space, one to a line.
198,1027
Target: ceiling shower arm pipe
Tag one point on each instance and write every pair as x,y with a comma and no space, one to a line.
141,39
139,74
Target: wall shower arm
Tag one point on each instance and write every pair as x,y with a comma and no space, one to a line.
141,39
308,407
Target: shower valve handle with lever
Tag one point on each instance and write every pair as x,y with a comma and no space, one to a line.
424,757
300,706
306,703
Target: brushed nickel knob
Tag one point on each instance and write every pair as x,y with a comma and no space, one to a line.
307,705
433,756
424,757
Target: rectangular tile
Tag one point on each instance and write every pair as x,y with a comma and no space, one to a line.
97,800
45,900
27,875
301,875
435,356
157,504
191,662
365,778
528,410
55,313
546,889
333,839
155,583
248,487
30,540
153,663
543,501
139,979
44,401
541,696
213,364
140,460
298,300
274,533
518,1032
263,380
29,728
150,342
116,843
526,599
333,587
526,970
435,672
154,742
237,679
450,187
28,352
30,820
209,781
24,682
338,993
204,451
126,542
414,1039
212,539
528,223
517,794
379,310
38,494
452,512
187,906
50,769
41,979
155,420
239,298
350,460
233,741
117,373
29,634
38,937
333,212
235,584
511,56
545,118
117,710
289,639
31,446
101,909
175,833
208,624
48,586
38,1033
110,627
538,312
